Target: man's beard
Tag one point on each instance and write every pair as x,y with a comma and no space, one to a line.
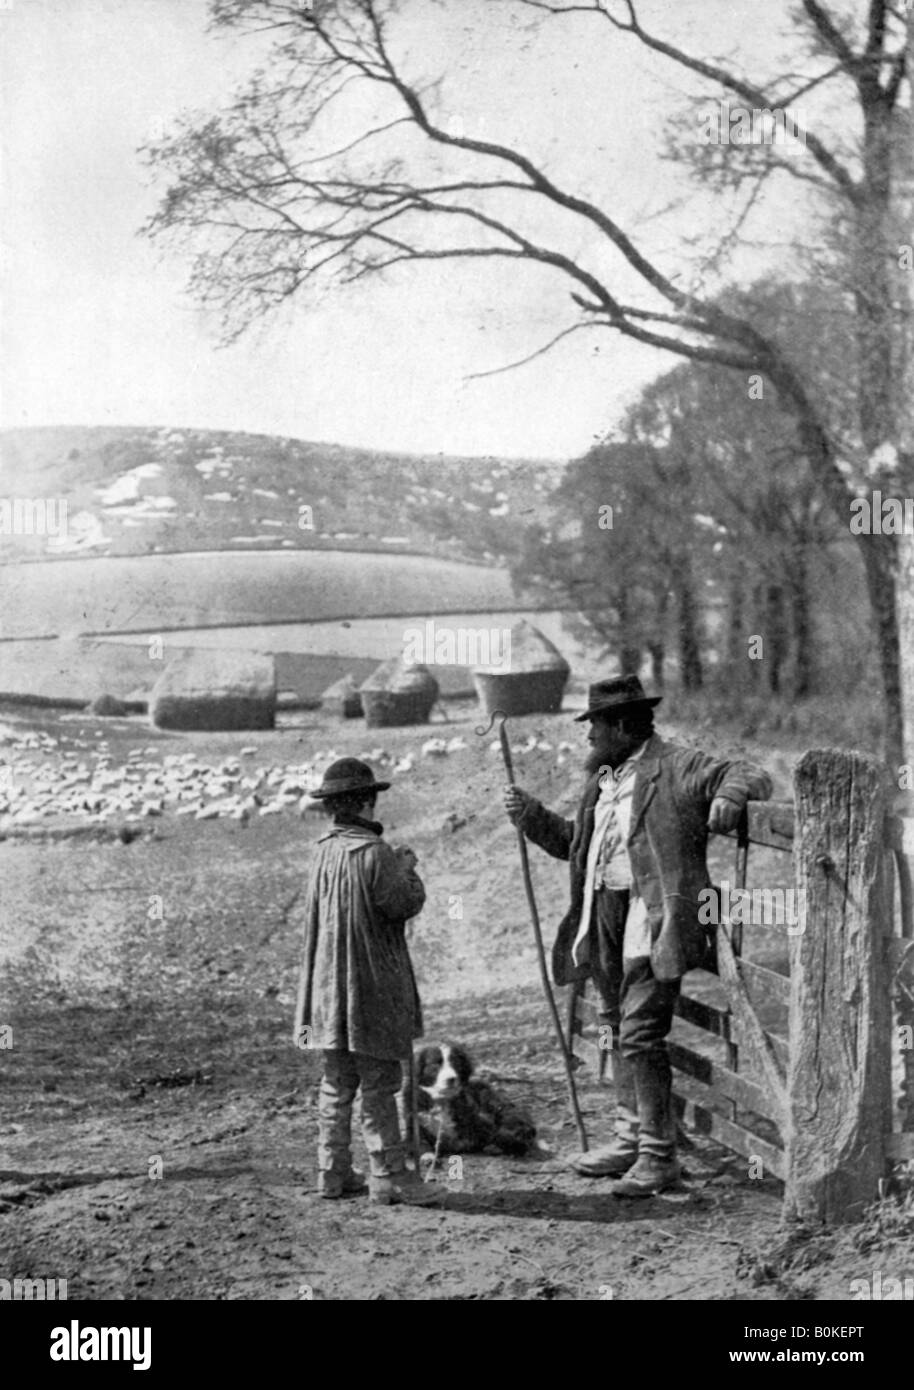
599,756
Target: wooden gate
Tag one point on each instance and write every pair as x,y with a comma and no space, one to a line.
787,1055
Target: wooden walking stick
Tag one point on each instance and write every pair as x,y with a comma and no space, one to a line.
412,1118
537,931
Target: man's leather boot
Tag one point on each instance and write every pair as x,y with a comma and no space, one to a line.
657,1167
617,1157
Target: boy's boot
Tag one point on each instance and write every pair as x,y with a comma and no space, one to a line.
331,1184
336,1175
390,1181
617,1157
401,1186
657,1167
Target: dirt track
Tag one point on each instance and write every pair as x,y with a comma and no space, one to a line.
158,1129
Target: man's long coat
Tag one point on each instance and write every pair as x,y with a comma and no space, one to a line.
667,846
357,991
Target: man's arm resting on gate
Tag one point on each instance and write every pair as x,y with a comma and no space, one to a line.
731,784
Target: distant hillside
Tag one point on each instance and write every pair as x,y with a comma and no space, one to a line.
143,491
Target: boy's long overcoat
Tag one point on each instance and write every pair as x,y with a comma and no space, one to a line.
357,991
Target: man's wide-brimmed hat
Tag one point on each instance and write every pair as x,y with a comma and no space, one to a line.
348,775
619,695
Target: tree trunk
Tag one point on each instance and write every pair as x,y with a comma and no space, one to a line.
873,276
629,660
884,210
690,672
628,644
903,188
889,606
657,645
776,636
736,637
802,627
656,653
904,205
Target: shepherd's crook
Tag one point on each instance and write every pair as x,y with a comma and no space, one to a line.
537,931
414,1141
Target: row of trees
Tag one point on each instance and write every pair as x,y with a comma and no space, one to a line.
699,518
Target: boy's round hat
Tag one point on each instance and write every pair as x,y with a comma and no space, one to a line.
348,775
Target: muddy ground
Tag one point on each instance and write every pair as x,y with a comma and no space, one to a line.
158,1128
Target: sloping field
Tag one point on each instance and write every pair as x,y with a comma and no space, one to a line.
146,491
154,593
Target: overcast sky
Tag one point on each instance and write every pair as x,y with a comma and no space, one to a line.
97,327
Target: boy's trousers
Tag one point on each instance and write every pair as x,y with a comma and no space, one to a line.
380,1079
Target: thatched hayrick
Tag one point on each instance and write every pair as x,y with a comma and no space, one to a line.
533,681
398,692
343,699
109,706
214,691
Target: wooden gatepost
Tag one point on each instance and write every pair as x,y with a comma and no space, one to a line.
839,1100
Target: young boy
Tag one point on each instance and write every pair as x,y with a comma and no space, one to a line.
357,998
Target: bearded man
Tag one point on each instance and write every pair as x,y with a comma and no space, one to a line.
637,851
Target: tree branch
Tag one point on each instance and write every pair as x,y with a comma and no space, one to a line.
755,96
531,357
831,35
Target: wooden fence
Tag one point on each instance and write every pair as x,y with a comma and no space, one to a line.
792,1067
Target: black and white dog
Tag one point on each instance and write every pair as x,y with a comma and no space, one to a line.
460,1115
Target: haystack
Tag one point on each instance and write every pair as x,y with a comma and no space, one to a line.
215,690
398,692
342,698
108,706
532,682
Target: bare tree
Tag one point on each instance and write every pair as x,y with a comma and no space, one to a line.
280,205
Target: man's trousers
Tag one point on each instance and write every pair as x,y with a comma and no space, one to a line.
637,1011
